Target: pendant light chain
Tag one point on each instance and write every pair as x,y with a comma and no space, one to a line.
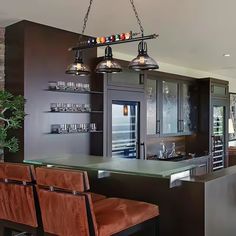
137,16
133,7
86,18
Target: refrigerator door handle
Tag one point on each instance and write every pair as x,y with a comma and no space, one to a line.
212,143
158,127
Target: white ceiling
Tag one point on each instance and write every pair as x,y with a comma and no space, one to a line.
193,33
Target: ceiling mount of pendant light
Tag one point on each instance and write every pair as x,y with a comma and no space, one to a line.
108,65
78,67
143,61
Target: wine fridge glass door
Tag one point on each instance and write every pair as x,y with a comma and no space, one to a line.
125,129
125,124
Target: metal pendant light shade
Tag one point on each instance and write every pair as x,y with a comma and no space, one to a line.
143,61
108,65
78,67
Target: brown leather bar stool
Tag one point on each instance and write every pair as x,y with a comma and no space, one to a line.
68,210
17,200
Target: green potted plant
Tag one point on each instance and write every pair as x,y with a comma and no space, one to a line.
11,117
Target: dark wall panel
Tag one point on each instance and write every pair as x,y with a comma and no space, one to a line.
44,58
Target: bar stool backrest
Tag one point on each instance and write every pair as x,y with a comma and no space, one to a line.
66,179
17,203
66,208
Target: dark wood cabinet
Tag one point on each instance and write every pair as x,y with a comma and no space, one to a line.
171,110
35,55
202,165
232,156
124,114
212,137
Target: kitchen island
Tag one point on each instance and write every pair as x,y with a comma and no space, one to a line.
200,206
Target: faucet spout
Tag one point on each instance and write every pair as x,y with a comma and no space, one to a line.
163,152
173,152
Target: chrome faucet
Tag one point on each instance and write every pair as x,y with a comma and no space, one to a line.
172,153
163,152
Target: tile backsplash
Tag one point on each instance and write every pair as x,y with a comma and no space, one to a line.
154,144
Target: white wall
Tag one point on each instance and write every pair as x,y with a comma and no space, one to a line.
165,67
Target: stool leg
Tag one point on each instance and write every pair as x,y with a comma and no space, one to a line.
1,230
157,227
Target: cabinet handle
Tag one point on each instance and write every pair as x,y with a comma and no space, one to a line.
144,151
158,127
178,126
182,125
212,144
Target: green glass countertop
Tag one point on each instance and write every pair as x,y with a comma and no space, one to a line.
119,165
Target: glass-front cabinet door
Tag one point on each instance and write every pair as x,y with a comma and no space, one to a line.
185,120
151,97
169,107
170,100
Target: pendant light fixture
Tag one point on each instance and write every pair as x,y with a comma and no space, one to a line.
108,65
78,67
143,61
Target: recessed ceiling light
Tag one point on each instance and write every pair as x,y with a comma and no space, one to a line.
226,55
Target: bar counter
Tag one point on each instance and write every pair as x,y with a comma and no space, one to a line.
200,206
118,165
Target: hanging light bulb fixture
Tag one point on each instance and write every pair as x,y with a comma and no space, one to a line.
78,67
109,65
143,61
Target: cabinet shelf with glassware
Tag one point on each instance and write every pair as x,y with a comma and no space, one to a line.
74,128
171,108
74,108
70,87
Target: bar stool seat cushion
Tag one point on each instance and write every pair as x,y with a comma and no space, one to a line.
115,214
